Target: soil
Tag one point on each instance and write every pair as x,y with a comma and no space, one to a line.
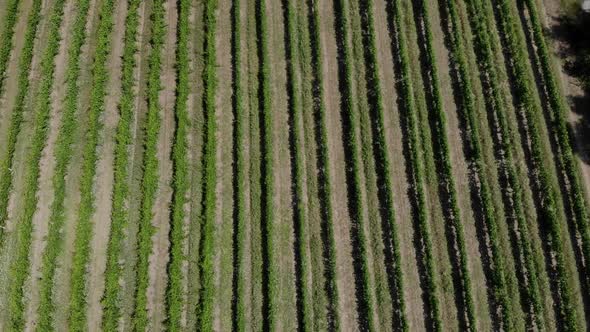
105,173
224,189
47,166
159,257
283,222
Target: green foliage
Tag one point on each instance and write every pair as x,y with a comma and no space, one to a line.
6,34
24,67
408,107
296,117
20,267
567,161
354,163
100,78
119,214
325,187
548,216
180,183
382,155
241,170
207,244
468,111
149,184
62,155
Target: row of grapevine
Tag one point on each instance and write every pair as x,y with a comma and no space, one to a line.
300,211
6,35
382,157
323,162
567,161
317,232
548,194
20,267
240,169
100,79
111,299
174,291
150,180
408,109
24,67
468,111
62,155
354,165
207,241
270,286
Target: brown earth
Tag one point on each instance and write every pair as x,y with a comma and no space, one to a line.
159,257
47,166
283,222
105,174
224,189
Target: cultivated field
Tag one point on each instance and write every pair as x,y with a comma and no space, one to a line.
281,165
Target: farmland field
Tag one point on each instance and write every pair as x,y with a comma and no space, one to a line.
281,165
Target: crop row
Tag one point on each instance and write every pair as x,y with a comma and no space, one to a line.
62,155
150,180
566,158
240,173
469,112
207,242
354,164
438,119
408,106
382,157
292,46
119,215
270,287
24,67
549,219
323,161
180,183
317,237
100,80
19,267
6,38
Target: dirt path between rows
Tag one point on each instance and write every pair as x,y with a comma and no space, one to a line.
246,259
283,221
345,271
192,158
159,257
196,116
224,204
47,166
105,173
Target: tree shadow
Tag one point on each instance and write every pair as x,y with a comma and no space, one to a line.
571,34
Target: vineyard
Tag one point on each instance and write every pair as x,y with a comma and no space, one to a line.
281,165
